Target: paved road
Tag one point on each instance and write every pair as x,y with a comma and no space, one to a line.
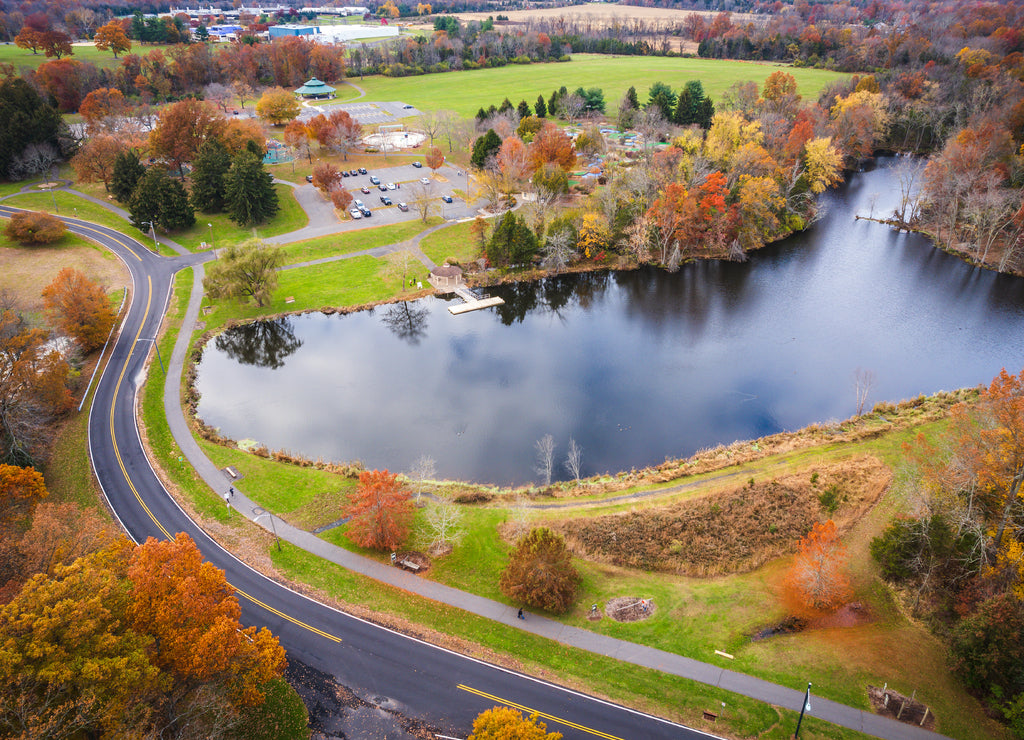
442,688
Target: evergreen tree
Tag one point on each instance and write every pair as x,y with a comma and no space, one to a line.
26,119
512,243
660,96
540,108
634,102
553,102
484,147
211,164
523,109
249,191
693,106
128,170
176,210
481,115
684,112
506,106
162,201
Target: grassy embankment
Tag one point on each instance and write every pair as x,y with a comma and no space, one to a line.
225,231
20,58
466,92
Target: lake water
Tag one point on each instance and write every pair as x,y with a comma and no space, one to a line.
635,366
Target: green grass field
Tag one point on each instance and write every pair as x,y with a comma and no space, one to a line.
466,92
11,54
353,241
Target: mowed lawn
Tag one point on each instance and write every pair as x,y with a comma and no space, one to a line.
466,92
11,54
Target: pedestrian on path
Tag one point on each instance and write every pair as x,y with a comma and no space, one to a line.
520,615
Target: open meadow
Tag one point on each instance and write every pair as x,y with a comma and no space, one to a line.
83,52
466,92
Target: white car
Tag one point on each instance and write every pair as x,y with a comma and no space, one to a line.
425,180
355,213
392,186
358,204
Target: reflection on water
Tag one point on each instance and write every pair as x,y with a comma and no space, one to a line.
635,366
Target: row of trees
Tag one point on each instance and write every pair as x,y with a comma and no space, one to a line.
960,554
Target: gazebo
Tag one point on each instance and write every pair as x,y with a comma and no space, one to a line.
446,276
315,89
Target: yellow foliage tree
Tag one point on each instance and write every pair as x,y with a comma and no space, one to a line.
506,723
594,234
277,106
823,165
729,131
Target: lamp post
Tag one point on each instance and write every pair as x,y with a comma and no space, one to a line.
805,708
273,527
152,228
211,234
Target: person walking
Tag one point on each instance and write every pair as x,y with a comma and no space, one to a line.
520,615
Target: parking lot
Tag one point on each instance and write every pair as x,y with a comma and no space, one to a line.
406,178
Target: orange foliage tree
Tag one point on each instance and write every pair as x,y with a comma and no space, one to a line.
102,106
113,38
20,490
34,227
192,614
182,128
95,159
379,512
434,158
506,723
61,533
79,307
32,391
818,578
551,145
326,177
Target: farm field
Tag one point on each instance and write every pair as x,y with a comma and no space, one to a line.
465,92
11,54
602,15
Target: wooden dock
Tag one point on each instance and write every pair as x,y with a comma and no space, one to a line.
472,302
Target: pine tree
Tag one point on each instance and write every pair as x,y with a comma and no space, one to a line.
481,115
128,170
484,147
540,108
249,192
634,102
513,242
683,114
211,164
523,109
162,201
176,210
506,106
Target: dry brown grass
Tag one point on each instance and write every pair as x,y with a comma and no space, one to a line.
735,530
25,271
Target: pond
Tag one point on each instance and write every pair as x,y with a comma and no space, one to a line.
635,366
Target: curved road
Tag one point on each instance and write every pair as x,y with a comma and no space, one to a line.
443,689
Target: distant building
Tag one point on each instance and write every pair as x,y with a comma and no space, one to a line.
293,30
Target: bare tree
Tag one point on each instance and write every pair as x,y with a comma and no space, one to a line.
243,91
35,159
908,174
447,121
558,251
218,94
431,123
571,107
422,470
652,125
444,520
574,459
520,524
400,263
545,458
637,237
863,380
423,199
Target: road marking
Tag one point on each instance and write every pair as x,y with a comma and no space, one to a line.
138,497
291,619
539,713
112,238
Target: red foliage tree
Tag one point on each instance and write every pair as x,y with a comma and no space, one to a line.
434,158
379,512
551,145
341,198
326,176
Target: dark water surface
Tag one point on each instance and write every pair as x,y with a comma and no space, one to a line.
635,366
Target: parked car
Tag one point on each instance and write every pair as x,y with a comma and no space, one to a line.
358,204
353,172
309,178
385,200
374,180
406,107
446,198
365,189
417,165
382,188
355,213
403,207
425,180
362,170
367,213
344,173
392,186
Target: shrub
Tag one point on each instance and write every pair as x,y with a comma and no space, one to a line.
540,572
34,227
987,648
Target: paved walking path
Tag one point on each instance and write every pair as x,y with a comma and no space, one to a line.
678,665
